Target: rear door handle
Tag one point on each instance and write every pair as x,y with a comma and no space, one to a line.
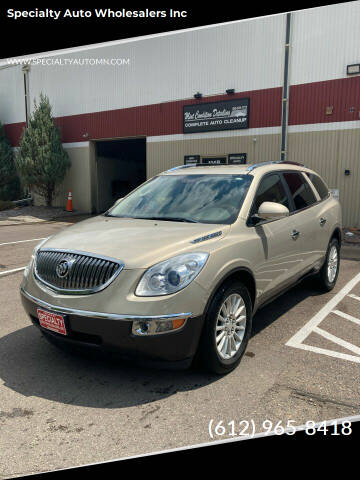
294,234
322,221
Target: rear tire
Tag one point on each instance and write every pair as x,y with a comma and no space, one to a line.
329,272
227,329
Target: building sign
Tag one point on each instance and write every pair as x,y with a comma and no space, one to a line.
214,160
191,159
215,116
237,158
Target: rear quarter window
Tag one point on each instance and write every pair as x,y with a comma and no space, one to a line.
319,185
300,190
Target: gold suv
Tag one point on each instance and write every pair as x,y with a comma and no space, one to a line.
176,269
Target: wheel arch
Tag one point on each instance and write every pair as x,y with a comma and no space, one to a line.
337,234
242,274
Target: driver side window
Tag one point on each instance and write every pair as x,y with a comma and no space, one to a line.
270,189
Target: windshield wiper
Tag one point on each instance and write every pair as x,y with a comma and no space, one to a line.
170,219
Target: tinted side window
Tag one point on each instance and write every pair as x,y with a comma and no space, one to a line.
320,186
300,190
271,189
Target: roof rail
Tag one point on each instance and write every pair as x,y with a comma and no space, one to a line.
249,168
179,167
293,163
256,165
272,162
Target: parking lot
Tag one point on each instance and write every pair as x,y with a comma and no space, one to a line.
59,410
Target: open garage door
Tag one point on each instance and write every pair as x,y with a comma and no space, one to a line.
120,167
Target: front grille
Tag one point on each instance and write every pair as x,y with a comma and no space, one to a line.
75,272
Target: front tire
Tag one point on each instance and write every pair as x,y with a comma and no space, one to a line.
227,329
329,272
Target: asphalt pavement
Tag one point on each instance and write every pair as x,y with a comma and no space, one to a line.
60,410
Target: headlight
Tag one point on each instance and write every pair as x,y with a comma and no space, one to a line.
172,275
29,266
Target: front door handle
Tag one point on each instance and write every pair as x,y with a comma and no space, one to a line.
322,221
294,234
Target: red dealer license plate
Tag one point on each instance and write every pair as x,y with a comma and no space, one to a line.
52,321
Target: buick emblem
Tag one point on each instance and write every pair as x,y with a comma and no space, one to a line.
63,268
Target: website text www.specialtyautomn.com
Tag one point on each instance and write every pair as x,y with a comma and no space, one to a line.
68,62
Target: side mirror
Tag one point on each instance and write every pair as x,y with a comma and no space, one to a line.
272,211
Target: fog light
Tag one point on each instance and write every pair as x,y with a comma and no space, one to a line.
155,326
142,328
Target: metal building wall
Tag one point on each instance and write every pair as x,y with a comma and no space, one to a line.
324,41
12,101
167,68
164,155
145,97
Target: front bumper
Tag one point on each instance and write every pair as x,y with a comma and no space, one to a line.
112,333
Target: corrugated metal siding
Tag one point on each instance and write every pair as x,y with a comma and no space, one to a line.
146,96
349,158
324,41
308,102
317,150
155,120
164,155
78,180
12,100
245,55
330,153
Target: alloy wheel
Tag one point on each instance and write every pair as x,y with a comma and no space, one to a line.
332,265
230,326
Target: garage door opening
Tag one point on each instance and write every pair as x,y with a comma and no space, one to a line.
120,167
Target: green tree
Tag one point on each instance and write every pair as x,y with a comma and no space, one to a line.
41,160
9,180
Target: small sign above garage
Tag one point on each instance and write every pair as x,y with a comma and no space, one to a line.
237,158
191,159
216,116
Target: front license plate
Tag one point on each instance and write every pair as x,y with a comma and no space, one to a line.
52,321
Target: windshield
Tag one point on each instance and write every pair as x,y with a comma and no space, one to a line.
186,198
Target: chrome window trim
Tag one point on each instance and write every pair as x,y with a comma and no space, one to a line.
84,291
109,316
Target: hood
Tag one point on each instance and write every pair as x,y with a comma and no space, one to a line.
137,243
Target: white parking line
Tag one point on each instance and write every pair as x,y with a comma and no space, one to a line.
313,326
325,351
22,241
347,316
8,272
354,296
337,340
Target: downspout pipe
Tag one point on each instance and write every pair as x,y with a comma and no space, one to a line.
26,69
285,92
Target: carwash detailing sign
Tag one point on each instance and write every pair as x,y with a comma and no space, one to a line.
209,117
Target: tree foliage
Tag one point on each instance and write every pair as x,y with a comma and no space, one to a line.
41,159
